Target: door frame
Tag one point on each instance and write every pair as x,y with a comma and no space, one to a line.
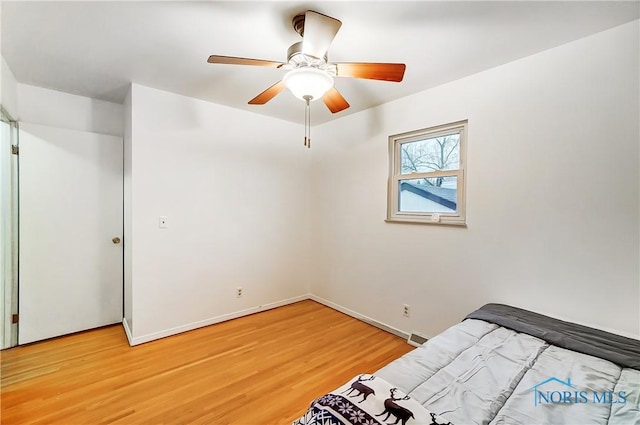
10,234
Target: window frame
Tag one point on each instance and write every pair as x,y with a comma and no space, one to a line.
394,215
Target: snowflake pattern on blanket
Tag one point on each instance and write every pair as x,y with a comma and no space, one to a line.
367,401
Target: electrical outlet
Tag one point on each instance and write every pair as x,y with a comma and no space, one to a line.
239,292
406,310
163,222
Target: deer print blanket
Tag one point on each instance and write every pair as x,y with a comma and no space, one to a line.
367,400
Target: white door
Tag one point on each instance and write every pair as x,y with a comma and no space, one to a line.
70,273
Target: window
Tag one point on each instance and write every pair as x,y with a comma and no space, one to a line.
426,175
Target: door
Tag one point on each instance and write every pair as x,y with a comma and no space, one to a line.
70,272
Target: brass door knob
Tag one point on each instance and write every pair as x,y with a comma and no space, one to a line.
116,240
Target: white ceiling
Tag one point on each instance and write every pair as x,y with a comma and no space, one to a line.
96,48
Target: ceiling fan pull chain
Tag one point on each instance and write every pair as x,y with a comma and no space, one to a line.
307,122
308,125
306,107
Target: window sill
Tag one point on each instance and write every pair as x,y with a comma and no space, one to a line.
428,222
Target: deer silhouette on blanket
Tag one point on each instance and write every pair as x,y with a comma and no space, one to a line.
434,421
361,388
392,408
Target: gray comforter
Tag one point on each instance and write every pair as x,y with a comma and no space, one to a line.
478,372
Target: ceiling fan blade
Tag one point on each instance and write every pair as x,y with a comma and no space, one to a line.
319,32
243,61
268,94
334,101
372,71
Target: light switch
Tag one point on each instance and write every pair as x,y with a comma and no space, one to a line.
163,222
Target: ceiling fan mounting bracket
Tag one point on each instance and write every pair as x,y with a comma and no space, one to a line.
298,24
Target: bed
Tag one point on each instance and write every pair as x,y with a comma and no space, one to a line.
501,365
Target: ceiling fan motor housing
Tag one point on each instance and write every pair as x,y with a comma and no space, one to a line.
295,57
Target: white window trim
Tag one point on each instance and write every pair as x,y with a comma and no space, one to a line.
395,142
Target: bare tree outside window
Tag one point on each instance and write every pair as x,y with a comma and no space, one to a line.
436,154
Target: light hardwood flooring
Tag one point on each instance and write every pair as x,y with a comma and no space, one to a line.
260,369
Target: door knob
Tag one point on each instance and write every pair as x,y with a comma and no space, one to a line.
116,240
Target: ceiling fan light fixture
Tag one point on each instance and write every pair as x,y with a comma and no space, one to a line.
308,82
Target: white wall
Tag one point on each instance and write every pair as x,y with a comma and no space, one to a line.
64,110
8,89
552,196
235,188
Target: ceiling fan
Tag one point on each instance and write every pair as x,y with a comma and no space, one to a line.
310,75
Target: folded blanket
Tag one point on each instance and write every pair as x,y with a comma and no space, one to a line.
367,400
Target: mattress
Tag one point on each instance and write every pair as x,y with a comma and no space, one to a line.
482,372
501,365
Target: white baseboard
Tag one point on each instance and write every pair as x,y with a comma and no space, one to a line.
359,316
190,326
206,322
213,320
127,330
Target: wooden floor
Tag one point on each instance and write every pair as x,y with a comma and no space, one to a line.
259,369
